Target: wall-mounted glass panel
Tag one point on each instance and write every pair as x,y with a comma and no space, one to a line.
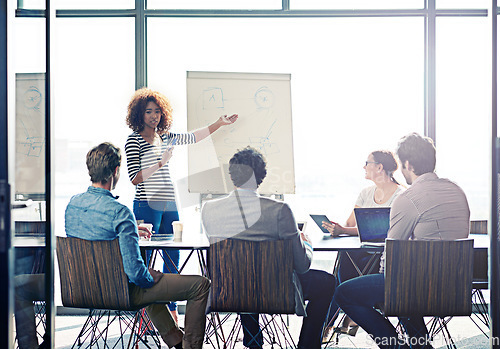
463,107
357,86
355,4
465,4
93,80
94,4
215,5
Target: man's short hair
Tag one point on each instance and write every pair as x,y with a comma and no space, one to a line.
418,151
244,164
102,161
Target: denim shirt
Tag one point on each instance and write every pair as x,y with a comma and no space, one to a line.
96,215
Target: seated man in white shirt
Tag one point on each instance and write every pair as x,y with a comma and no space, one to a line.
244,214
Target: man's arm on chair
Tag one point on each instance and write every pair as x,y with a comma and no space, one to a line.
133,263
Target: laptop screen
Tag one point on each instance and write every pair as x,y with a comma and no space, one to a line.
373,223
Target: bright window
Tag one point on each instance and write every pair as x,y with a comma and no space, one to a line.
469,4
93,81
218,4
357,86
93,4
463,107
356,4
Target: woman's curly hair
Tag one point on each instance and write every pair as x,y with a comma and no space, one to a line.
137,108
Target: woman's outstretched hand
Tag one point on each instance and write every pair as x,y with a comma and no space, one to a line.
228,120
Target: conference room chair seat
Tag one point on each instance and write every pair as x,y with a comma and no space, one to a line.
429,279
480,315
251,277
92,277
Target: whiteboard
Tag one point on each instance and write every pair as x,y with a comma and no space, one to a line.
30,134
263,104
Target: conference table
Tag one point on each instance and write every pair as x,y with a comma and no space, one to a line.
198,242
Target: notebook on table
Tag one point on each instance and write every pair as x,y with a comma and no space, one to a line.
373,224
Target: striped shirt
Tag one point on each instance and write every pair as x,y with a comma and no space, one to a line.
142,155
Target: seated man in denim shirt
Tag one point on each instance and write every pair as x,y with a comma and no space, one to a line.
97,215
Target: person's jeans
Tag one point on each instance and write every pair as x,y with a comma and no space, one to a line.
28,288
173,287
161,214
317,287
358,298
347,271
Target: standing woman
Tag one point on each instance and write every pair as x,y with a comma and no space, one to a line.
149,149
379,168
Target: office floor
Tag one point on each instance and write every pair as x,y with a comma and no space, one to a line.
464,332
462,329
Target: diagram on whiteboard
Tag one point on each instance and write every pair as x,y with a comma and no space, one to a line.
264,144
31,142
30,133
263,104
264,98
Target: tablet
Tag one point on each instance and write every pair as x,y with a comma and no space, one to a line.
319,218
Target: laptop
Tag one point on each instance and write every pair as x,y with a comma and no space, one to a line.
373,224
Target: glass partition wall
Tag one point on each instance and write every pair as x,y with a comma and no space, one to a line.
29,152
6,253
494,256
364,74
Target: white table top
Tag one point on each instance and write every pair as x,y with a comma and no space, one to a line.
200,241
190,241
346,243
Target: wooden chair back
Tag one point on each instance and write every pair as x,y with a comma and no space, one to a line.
92,274
428,278
479,227
252,276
